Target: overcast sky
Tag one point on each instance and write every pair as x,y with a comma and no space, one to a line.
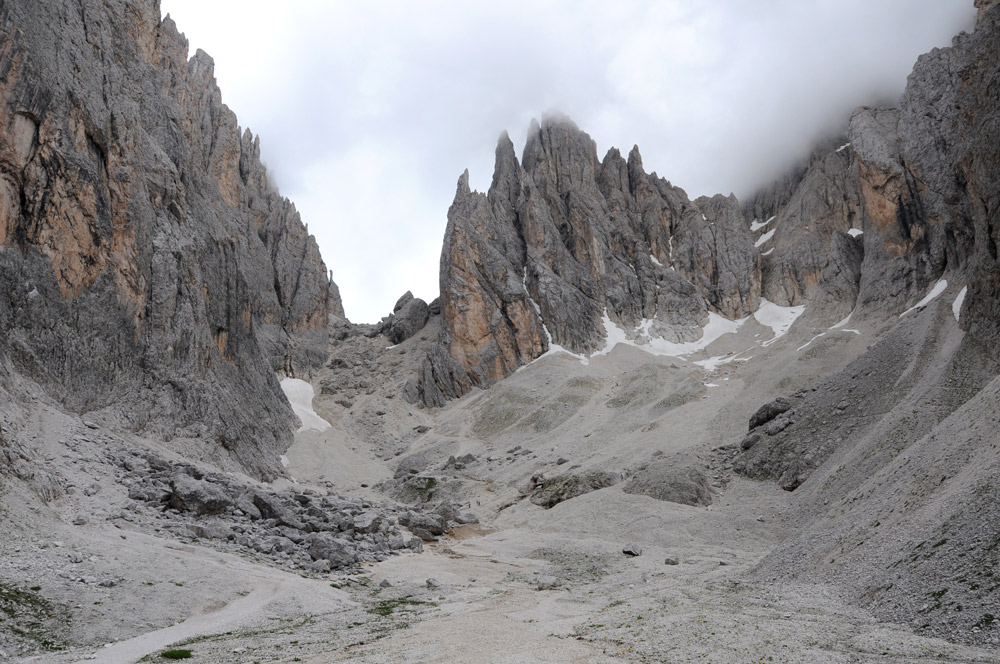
369,111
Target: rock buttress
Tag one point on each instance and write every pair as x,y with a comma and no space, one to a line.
150,271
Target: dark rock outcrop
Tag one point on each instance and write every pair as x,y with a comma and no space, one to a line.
672,481
549,492
149,269
408,319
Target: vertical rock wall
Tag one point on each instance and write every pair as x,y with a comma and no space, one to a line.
149,270
562,238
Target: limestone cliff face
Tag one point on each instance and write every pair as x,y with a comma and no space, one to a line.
562,238
868,223
149,270
916,183
803,223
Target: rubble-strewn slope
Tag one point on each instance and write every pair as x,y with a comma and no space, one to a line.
149,270
894,457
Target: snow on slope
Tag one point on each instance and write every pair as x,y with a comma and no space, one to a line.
300,395
934,292
764,238
776,317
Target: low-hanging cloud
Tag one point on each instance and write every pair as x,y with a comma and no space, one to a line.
368,112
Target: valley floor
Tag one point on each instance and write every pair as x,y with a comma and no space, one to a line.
525,584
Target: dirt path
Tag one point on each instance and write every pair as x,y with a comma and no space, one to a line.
227,618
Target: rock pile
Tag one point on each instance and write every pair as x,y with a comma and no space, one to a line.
299,528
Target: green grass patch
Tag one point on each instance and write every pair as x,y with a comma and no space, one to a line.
386,607
177,653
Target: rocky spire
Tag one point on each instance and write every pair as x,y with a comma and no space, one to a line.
561,240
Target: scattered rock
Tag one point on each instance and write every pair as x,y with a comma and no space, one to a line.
200,497
546,582
769,411
632,550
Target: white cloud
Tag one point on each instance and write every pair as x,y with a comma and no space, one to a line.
368,112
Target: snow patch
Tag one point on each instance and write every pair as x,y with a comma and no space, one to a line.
843,322
843,147
854,232
768,252
764,238
757,225
711,384
934,292
956,306
284,461
655,262
776,317
300,395
716,327
806,344
713,363
553,347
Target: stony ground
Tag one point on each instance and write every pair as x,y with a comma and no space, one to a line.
115,569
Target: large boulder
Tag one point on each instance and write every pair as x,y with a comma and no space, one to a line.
671,481
550,492
198,496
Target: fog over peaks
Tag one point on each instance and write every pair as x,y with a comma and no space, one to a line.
368,112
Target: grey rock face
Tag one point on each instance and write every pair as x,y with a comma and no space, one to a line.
718,256
671,481
769,411
562,238
808,213
551,492
196,496
408,319
149,270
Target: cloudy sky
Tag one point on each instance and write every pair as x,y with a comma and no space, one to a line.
369,111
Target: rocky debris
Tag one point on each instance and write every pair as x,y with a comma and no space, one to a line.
546,582
810,425
549,492
310,531
411,465
191,495
671,480
769,411
563,239
408,319
135,212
